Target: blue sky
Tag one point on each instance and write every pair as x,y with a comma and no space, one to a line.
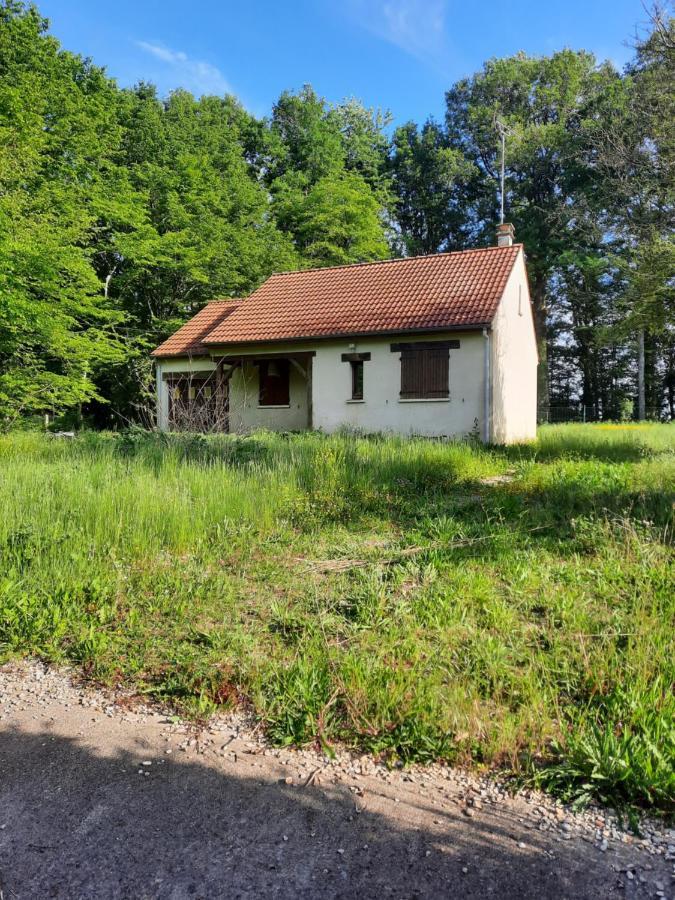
399,55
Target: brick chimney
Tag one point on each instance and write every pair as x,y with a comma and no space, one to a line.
505,234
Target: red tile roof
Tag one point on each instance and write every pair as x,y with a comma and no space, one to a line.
421,293
188,340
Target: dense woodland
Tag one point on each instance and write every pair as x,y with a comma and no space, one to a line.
122,212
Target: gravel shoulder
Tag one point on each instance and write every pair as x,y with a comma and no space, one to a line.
103,798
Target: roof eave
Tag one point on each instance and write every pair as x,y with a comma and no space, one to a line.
185,355
339,335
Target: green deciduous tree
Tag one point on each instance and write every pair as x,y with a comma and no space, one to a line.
340,221
543,102
634,151
58,142
329,188
207,232
432,185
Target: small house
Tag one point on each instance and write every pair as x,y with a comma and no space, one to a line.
440,345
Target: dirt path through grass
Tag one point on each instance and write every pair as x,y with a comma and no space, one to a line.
101,800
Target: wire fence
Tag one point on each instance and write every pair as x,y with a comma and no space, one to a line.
554,415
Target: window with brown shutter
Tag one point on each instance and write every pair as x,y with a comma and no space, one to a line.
425,374
274,388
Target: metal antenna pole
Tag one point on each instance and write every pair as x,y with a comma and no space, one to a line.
503,132
502,129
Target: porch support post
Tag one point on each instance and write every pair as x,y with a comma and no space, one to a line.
222,398
223,387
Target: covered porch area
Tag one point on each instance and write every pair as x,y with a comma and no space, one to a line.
236,392
270,390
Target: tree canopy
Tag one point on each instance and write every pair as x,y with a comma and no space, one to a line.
123,212
58,142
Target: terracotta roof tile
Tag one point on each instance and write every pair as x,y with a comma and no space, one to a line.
420,293
188,340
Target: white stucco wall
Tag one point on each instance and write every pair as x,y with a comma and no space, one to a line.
514,363
381,408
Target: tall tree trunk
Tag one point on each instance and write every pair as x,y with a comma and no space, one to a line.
652,380
540,323
642,411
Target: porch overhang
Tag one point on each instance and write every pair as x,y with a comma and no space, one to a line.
231,358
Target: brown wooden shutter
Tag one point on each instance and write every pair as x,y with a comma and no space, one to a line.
424,374
357,379
436,375
411,374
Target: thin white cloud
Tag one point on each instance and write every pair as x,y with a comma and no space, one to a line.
415,26
193,74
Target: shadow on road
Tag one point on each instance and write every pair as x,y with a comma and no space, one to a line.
77,824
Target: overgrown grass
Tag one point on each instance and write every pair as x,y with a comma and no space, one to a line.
391,594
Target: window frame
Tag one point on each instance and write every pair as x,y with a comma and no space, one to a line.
356,361
357,379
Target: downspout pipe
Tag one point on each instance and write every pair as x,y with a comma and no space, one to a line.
487,377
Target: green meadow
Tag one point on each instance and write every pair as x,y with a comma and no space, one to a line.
416,599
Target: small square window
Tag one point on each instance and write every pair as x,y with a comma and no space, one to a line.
357,379
207,392
192,393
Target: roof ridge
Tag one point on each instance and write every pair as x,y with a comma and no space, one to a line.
394,259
